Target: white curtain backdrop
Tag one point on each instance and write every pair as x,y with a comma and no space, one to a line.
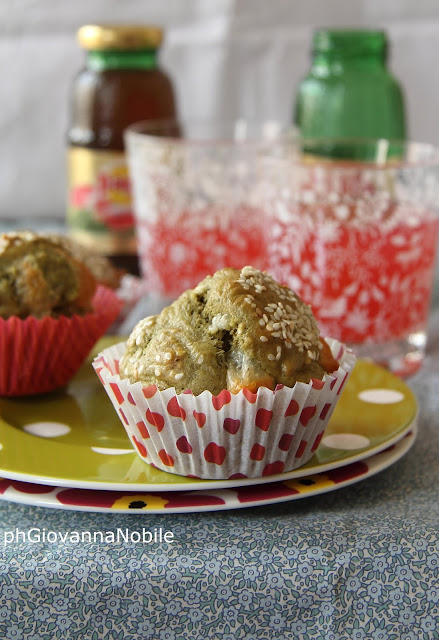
227,58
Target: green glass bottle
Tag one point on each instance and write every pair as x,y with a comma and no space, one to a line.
349,91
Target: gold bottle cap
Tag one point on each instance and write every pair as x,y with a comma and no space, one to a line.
105,37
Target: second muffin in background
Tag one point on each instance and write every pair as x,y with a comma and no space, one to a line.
52,312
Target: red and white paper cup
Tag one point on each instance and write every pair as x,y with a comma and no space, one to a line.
243,435
40,355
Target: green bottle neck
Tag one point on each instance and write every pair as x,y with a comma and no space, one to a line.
336,63
338,50
105,60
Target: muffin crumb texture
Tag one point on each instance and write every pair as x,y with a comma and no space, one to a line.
102,269
39,277
237,329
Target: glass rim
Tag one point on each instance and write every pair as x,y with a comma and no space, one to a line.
387,152
269,130
412,153
287,137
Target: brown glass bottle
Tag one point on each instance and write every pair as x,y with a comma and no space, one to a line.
120,84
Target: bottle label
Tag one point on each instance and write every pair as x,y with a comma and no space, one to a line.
100,212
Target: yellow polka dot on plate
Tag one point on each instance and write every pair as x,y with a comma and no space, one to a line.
141,501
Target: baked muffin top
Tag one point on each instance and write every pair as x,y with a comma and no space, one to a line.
39,277
237,329
100,266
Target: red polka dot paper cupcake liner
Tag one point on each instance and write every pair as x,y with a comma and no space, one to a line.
40,355
244,435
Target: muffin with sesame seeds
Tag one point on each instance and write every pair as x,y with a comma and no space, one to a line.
235,330
231,378
51,313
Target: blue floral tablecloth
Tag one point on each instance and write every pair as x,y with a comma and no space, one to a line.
358,563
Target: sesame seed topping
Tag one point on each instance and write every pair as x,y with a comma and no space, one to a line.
291,321
200,360
178,376
271,356
157,372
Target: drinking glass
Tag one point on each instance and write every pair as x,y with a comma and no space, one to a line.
196,189
350,225
354,231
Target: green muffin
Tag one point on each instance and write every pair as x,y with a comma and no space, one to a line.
237,329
